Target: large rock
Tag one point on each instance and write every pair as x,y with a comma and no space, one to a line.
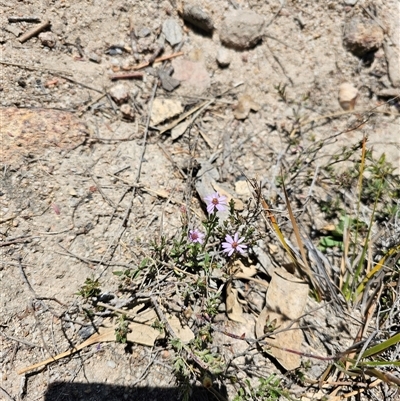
362,36
242,29
27,133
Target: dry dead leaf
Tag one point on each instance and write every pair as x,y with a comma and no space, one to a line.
180,129
141,332
243,107
233,308
285,302
184,333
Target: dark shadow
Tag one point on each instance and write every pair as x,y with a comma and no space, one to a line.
60,391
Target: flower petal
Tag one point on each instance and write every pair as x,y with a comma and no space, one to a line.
229,239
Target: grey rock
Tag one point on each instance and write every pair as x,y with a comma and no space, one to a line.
13,29
242,29
393,64
362,36
172,32
144,32
92,56
167,82
195,15
223,57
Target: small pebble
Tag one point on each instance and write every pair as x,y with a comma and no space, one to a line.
120,93
111,364
127,112
347,96
143,33
223,57
48,39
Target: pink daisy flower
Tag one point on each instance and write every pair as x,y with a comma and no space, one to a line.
233,244
216,202
196,236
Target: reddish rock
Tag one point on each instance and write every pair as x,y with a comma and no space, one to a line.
193,75
29,132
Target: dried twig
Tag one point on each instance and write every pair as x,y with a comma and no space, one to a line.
6,395
34,31
19,240
130,75
18,340
172,333
27,67
28,18
157,60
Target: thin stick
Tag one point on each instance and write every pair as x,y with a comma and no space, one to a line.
6,395
26,67
137,179
28,18
20,240
29,344
157,60
131,75
34,31
172,333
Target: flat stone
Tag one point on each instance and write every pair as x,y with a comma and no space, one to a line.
163,109
393,63
362,36
192,75
13,29
195,15
172,32
242,29
167,82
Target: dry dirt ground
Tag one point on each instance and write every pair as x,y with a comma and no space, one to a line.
88,181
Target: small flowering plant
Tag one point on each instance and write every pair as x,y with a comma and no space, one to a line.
216,203
196,236
206,247
234,244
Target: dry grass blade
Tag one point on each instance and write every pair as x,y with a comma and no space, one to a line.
269,217
304,267
376,269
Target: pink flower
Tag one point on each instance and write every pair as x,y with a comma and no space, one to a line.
216,202
196,236
233,244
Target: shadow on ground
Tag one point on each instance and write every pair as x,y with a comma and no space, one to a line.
60,391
